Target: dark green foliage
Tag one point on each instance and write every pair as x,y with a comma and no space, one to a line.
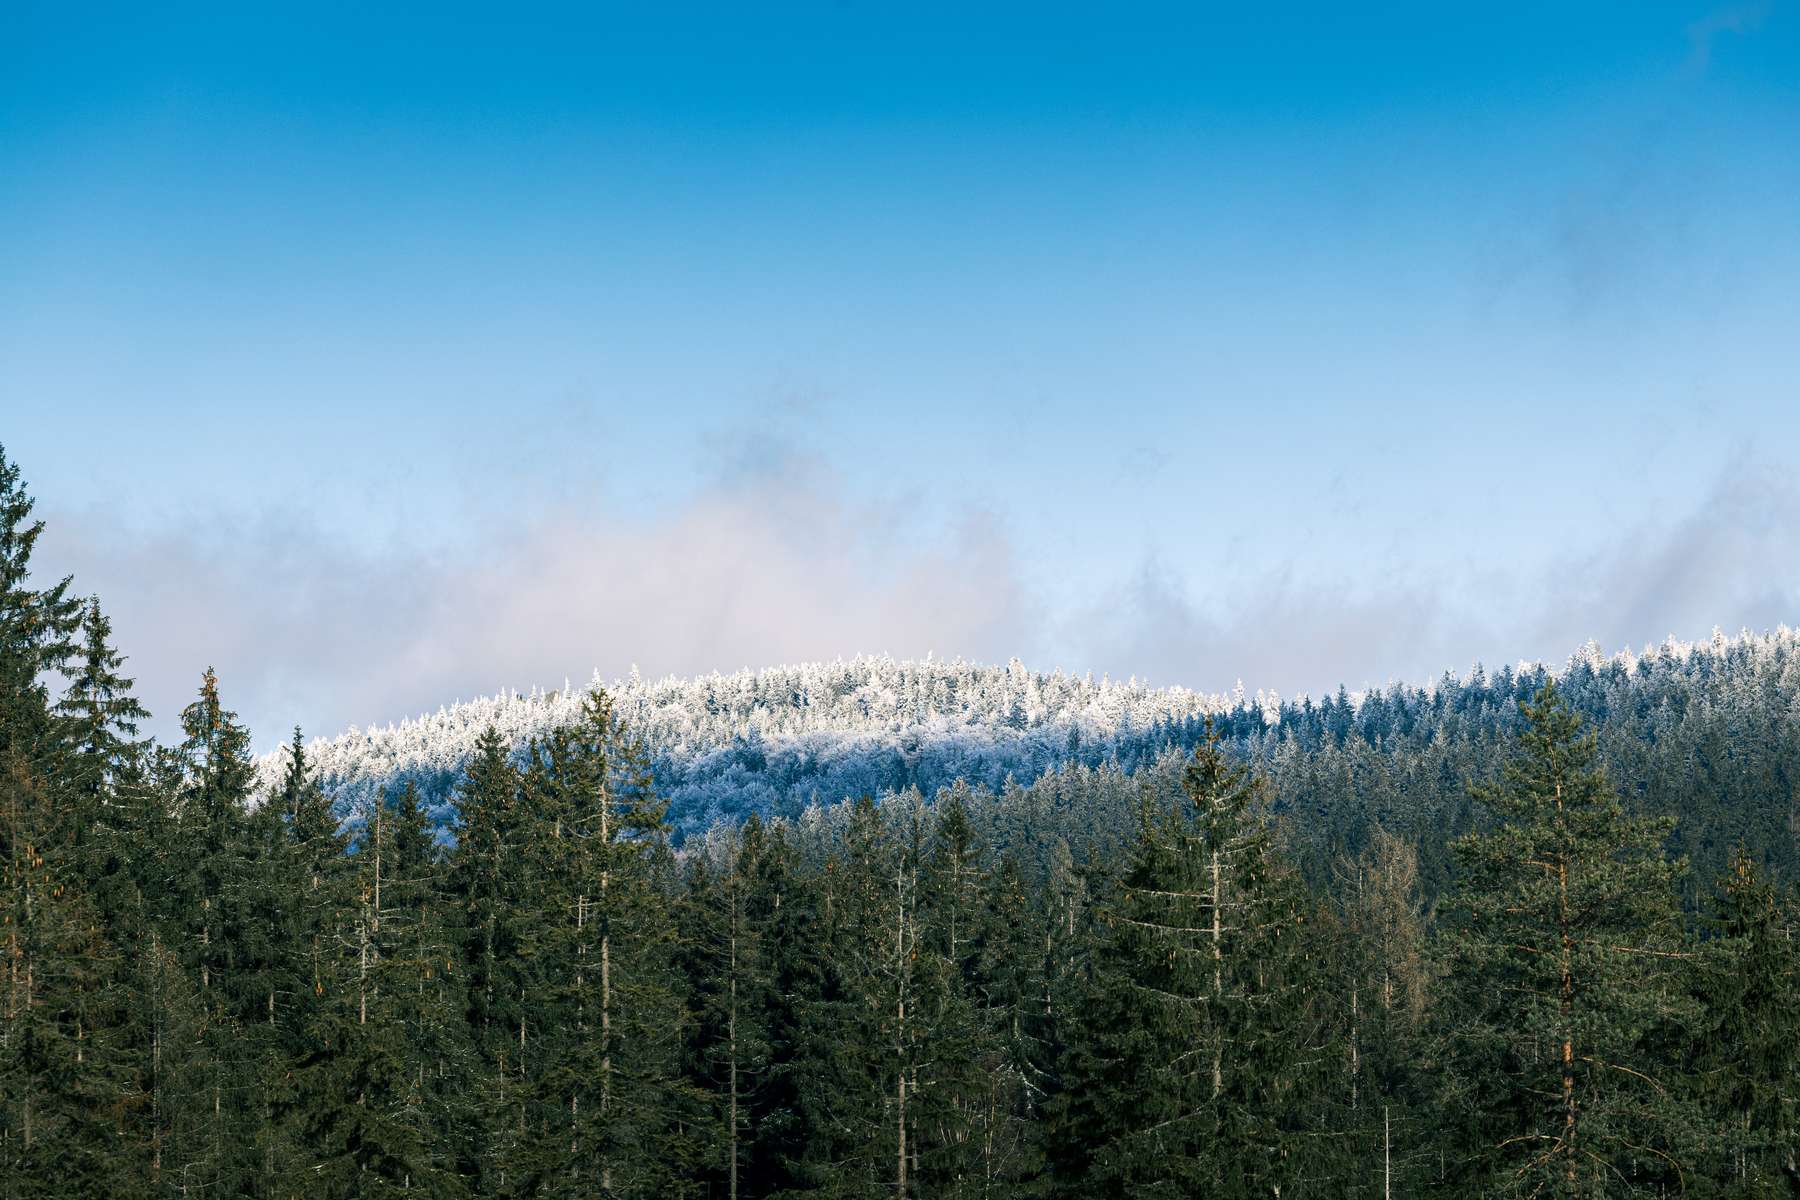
61,1077
1564,989
860,1036
976,1104
615,1114
99,723
221,926
486,883
1382,981
37,629
386,1067
1155,975
781,977
1196,1060
724,953
1748,1071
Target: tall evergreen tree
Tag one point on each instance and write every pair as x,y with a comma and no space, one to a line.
487,879
1196,1068
100,714
63,1084
630,1124
316,879
220,936
37,629
974,1102
854,1044
1383,992
724,955
1563,951
389,1047
1748,1069
427,1002
781,981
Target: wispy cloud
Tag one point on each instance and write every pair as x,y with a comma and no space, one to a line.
1739,19
1733,561
772,562
1630,214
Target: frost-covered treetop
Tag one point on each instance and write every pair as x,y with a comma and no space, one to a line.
865,699
768,740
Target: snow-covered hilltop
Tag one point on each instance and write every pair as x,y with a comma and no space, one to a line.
773,740
777,740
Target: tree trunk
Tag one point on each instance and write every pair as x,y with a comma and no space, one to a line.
732,1047
1567,1007
1218,954
605,986
1387,1158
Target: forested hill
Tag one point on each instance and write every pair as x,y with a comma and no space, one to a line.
1107,978
773,741
1708,732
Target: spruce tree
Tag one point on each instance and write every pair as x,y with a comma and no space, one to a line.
487,879
1563,951
1195,1061
732,997
314,879
782,979
852,1043
973,1102
63,1082
37,630
100,714
427,999
1748,1069
65,1077
1383,981
219,924
382,1082
628,1124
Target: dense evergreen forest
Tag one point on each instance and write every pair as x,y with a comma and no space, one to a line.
1509,936
1706,732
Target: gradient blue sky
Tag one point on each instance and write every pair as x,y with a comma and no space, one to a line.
381,358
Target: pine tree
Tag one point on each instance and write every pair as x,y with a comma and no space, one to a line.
62,1080
391,1057
1563,951
143,900
100,715
487,879
782,973
849,1036
217,923
167,1122
1196,1062
973,1101
105,770
431,1010
65,1080
1384,988
313,877
606,954
565,882
731,990
1748,1073
37,630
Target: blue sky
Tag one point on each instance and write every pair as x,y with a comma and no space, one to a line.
385,359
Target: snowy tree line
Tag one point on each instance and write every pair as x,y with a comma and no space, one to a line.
1708,728
773,741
